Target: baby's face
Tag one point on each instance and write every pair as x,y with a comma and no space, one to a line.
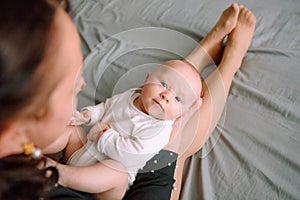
170,91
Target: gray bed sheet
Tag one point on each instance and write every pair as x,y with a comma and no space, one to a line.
254,152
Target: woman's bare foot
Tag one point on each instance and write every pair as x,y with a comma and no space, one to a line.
212,43
239,39
210,48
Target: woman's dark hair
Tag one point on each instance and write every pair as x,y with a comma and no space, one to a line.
21,178
25,36
24,31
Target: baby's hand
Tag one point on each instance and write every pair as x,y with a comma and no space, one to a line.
79,118
97,130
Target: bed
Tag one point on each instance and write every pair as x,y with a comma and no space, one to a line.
254,152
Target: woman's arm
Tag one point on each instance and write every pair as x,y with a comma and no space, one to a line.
98,178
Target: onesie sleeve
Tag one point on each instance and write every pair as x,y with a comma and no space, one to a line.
96,111
134,150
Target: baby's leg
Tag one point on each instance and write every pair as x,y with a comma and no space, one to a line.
210,47
71,140
77,137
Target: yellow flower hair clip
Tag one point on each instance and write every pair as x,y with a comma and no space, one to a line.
30,149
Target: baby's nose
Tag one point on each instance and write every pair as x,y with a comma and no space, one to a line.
166,95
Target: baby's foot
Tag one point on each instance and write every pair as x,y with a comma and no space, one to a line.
212,43
240,38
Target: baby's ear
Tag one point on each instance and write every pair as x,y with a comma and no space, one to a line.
146,79
196,105
200,99
198,102
201,94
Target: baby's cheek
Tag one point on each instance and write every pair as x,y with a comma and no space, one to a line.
175,113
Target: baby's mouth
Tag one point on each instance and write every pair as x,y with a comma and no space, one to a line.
159,103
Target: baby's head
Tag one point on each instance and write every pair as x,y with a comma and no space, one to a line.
171,90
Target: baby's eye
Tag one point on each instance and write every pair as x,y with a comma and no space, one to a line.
164,85
178,99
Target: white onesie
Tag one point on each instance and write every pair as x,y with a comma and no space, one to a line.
134,137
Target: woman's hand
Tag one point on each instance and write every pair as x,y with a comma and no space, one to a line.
49,163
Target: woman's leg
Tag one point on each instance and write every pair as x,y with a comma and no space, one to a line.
210,47
216,88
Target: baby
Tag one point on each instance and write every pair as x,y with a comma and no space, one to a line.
133,126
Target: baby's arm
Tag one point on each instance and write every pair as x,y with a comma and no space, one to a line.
130,151
88,115
97,131
136,149
94,113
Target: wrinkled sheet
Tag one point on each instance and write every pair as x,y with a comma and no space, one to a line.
254,152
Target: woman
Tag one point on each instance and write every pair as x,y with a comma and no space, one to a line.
40,67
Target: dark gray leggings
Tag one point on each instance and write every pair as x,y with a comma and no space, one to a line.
154,182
